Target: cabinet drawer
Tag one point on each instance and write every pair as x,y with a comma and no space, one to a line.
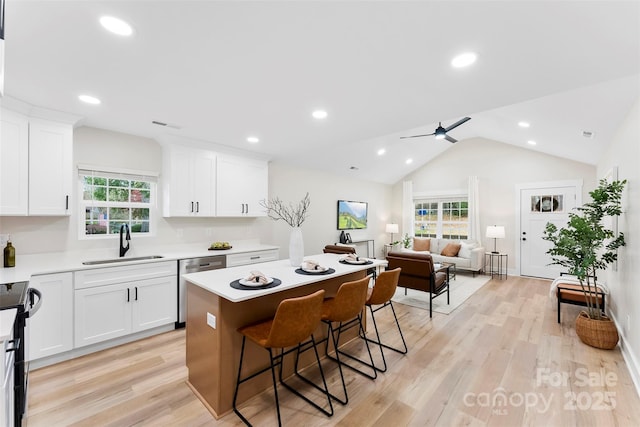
252,257
124,273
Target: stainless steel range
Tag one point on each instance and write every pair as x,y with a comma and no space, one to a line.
27,301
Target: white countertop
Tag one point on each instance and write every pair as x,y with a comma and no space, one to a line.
7,317
58,262
218,281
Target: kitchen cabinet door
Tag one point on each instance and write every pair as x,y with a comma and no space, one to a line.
14,163
50,167
102,313
240,186
188,183
50,330
154,303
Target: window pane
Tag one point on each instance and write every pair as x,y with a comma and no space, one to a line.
139,214
92,227
87,180
119,183
140,227
95,213
140,196
119,214
140,184
118,195
99,181
114,226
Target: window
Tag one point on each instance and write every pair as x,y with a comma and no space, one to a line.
110,200
444,218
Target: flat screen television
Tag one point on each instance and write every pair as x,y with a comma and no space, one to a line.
352,215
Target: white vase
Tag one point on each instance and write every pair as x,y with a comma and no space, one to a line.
296,247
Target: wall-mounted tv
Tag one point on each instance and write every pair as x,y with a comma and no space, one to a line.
352,215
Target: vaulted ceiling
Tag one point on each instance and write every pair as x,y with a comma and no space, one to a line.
220,71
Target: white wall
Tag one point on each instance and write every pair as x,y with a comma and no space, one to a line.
105,148
499,168
624,301
290,184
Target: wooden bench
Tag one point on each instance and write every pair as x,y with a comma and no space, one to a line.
571,293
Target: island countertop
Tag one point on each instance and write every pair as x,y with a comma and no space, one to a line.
218,281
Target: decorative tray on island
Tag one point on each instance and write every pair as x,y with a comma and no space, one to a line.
220,249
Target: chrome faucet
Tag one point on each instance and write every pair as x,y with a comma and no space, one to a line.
123,249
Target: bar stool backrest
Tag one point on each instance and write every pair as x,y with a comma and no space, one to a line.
295,320
349,300
385,287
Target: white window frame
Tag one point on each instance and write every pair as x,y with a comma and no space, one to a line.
439,198
117,173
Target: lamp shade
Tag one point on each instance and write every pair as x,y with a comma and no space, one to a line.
392,228
495,232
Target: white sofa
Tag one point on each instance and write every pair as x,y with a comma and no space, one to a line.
469,258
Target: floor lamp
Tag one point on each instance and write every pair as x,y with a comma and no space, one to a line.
495,232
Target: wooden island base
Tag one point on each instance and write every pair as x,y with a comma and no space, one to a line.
213,355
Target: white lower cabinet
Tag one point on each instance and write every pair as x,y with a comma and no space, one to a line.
50,330
111,311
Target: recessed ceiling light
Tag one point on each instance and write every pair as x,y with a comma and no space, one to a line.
89,99
381,151
319,114
409,161
531,142
253,139
116,26
464,60
524,124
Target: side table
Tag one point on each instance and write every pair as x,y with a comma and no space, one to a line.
496,264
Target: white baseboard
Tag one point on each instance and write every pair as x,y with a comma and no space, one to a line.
630,358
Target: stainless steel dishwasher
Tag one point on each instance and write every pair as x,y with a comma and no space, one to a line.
193,265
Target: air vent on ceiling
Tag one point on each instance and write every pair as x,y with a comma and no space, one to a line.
588,134
155,122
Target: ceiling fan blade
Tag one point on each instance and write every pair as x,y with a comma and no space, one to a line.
458,123
448,138
417,136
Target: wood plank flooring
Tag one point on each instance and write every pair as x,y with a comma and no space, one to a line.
500,359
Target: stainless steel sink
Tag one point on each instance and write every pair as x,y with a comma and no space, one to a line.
117,260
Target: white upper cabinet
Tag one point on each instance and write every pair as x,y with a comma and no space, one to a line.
14,163
241,185
36,159
50,167
188,182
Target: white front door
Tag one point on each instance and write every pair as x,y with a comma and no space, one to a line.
539,206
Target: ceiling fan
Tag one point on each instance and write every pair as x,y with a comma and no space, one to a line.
440,132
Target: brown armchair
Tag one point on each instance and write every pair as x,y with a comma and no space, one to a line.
418,273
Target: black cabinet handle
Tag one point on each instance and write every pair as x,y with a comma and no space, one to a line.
66,203
191,207
136,297
197,207
524,238
255,257
128,294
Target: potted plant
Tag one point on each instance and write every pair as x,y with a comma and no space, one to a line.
584,246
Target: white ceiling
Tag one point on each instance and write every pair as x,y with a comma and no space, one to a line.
224,70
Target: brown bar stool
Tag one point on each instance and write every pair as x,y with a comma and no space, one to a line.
346,309
381,294
292,326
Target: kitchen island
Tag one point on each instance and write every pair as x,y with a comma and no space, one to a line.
215,311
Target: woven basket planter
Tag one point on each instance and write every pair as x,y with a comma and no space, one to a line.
596,333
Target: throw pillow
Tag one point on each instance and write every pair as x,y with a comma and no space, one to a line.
451,250
421,244
466,248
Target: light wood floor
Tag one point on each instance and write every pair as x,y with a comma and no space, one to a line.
500,359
